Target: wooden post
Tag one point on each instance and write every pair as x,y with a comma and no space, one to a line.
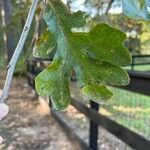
93,135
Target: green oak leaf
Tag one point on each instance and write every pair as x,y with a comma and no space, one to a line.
96,57
104,43
96,92
88,69
137,9
44,45
52,81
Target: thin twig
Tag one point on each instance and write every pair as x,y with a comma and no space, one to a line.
34,37
109,6
37,27
18,50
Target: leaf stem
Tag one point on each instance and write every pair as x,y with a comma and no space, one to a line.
18,50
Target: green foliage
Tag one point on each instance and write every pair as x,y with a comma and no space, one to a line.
45,45
96,56
136,9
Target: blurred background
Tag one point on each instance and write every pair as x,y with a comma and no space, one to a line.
13,15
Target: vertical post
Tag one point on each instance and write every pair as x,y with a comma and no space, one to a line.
93,135
50,103
132,64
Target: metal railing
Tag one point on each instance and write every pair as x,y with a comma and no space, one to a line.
138,60
128,136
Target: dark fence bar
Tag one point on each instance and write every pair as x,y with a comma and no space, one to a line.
93,128
136,63
70,132
139,83
131,138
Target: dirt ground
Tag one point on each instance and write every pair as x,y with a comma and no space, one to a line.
28,126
